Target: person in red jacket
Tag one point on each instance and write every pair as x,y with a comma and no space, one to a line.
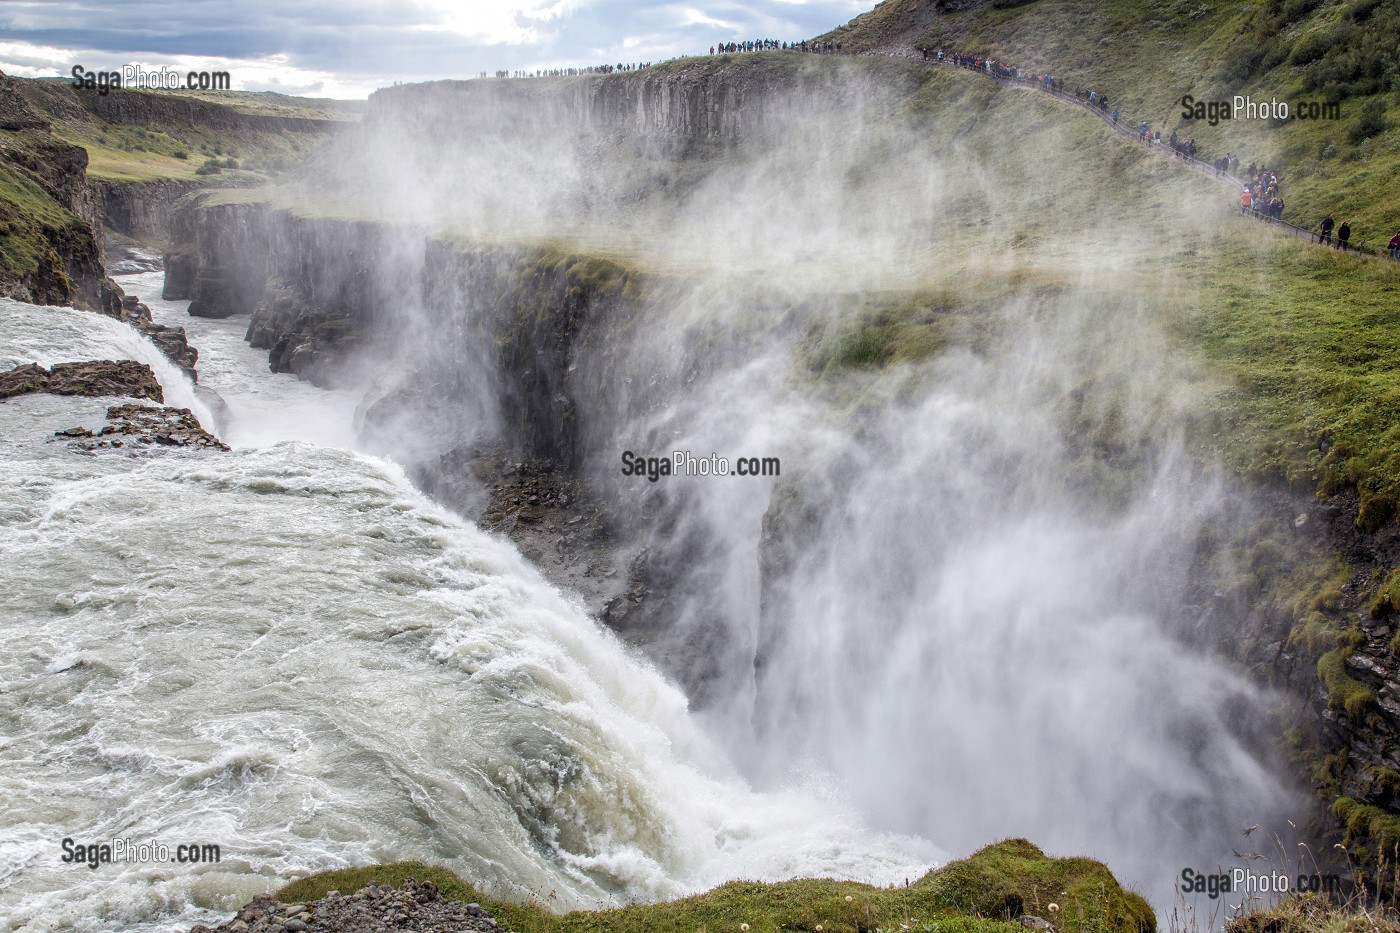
1246,199
1394,245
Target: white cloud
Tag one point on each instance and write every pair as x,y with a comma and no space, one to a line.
270,73
347,48
493,22
693,17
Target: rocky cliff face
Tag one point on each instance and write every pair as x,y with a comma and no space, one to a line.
52,228
143,108
218,258
142,210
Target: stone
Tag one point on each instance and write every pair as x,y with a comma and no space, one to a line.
93,379
23,379
144,425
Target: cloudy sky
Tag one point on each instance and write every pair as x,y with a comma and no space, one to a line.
347,48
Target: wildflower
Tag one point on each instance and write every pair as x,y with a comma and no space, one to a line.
1054,908
744,927
849,898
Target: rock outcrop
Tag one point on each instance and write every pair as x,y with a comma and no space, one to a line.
372,909
93,379
136,427
51,234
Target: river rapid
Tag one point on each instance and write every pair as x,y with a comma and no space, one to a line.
289,652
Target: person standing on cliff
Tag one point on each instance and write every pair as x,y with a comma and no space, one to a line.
1343,234
1326,226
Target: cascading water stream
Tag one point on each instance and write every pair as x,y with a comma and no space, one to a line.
289,652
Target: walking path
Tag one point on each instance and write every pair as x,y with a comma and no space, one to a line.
1123,128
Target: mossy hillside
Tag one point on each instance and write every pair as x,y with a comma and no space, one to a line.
1307,339
1147,56
983,893
1344,693
31,225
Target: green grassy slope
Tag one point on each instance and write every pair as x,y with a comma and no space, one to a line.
29,220
983,893
160,147
1147,55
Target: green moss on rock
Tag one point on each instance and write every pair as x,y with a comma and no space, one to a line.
1343,692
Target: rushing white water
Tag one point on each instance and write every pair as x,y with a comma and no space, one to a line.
287,651
263,407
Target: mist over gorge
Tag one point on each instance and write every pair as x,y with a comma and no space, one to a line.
987,547
1001,576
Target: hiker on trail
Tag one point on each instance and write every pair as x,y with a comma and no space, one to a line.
1114,116
1327,224
1142,131
1343,234
1246,199
1395,246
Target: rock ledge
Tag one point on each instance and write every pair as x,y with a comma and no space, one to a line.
372,909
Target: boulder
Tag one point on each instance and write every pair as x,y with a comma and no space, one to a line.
93,379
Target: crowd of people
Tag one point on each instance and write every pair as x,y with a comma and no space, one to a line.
592,69
1184,148
749,45
572,72
1260,193
773,45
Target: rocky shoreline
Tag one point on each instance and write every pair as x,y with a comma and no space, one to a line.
372,909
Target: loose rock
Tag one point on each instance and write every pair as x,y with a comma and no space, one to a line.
372,909
137,426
